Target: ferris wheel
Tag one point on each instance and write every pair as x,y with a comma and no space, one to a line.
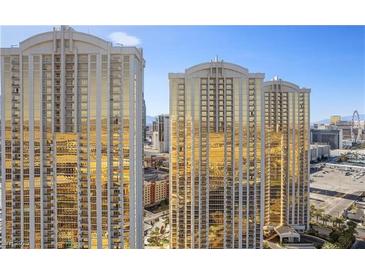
356,136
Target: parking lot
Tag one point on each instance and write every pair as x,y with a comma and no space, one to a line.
334,190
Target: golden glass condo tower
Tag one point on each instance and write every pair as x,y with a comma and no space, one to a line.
287,156
71,143
217,157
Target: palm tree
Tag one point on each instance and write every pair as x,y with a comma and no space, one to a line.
326,218
158,237
155,238
319,214
313,211
333,220
339,221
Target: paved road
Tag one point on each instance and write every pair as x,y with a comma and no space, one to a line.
312,239
359,244
342,202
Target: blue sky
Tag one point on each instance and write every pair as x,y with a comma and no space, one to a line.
328,59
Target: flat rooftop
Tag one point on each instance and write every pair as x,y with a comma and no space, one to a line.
286,231
334,191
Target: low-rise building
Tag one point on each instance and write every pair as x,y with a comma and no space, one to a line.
155,191
329,136
346,127
319,152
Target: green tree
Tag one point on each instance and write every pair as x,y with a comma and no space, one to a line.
335,234
319,214
329,245
158,237
326,218
343,235
313,212
266,245
339,222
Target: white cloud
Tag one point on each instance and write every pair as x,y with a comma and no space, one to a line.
124,39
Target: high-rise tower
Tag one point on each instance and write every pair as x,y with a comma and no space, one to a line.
71,143
217,157
287,154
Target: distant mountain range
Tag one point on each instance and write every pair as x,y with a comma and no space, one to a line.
343,118
150,119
